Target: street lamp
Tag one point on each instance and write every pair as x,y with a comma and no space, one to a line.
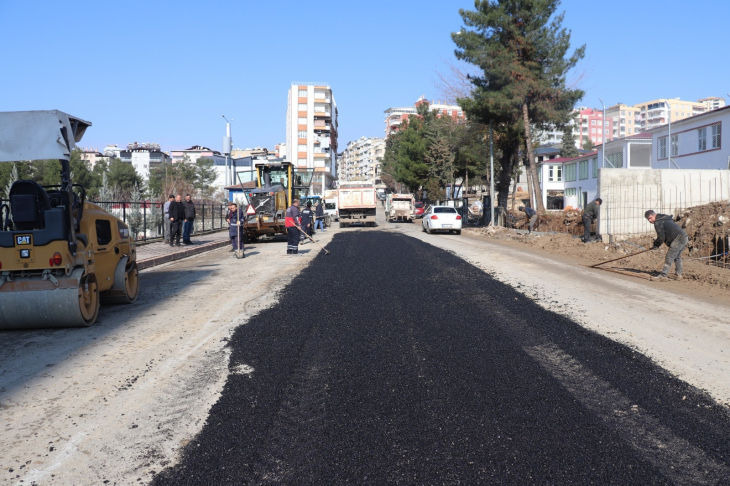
603,135
227,144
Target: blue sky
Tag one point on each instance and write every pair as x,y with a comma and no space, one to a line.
165,71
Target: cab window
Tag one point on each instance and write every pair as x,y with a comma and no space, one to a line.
103,231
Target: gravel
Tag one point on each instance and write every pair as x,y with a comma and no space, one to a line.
391,361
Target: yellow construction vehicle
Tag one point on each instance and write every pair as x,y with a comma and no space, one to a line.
60,255
277,184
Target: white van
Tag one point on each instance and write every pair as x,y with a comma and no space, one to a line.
330,207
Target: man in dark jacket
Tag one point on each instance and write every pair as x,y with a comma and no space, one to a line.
531,217
189,218
177,216
307,219
319,213
671,234
590,214
235,231
291,222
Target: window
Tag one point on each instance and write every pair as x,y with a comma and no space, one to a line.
595,167
661,150
583,169
302,120
702,139
302,148
302,134
675,145
555,173
103,232
623,112
716,136
302,107
593,122
571,191
570,172
616,159
593,130
302,93
444,210
605,124
302,161
605,132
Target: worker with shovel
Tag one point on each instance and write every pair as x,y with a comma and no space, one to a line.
590,214
670,233
235,229
292,221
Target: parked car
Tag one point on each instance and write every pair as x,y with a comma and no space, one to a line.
441,218
419,209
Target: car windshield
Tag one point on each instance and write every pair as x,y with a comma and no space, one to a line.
444,210
330,206
419,204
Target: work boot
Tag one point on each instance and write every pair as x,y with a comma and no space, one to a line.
678,277
659,278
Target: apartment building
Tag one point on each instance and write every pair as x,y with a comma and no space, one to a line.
591,126
93,156
657,112
712,103
311,130
394,117
143,157
361,160
625,120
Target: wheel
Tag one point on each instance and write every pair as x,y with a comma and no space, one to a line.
423,228
343,225
428,230
126,284
88,299
458,232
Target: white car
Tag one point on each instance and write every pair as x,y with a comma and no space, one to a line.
441,218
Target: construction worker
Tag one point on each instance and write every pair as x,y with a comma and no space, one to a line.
531,215
307,216
291,221
590,214
670,233
235,231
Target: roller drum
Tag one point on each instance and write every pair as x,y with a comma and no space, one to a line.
32,303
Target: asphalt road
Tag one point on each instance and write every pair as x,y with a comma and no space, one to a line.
391,361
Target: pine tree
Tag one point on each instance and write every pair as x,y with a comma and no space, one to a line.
568,148
13,177
522,54
588,145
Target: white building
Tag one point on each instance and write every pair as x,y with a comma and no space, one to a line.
361,160
696,142
311,130
143,157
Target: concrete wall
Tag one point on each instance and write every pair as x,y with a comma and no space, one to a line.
627,194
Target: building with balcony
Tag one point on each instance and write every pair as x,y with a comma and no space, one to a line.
625,120
143,157
590,125
712,103
657,112
361,160
311,131
394,117
93,156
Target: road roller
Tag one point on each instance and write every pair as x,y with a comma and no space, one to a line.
60,255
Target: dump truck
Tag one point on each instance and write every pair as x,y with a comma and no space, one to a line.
400,207
60,255
356,203
277,184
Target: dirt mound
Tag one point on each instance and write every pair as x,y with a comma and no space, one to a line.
708,229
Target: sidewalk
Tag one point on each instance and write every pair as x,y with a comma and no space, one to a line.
152,254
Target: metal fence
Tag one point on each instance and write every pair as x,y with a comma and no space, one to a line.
145,219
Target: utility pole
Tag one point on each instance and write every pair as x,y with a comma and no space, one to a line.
669,135
491,174
603,136
227,144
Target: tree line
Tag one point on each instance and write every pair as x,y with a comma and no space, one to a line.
115,179
519,51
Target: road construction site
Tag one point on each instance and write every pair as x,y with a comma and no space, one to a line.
400,357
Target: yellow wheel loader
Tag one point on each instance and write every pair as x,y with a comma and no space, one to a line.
60,256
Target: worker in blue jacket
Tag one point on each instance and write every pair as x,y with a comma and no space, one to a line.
235,231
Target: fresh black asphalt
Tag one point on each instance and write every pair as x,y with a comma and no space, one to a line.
393,362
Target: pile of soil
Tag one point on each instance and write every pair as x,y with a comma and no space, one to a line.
708,229
697,273
569,221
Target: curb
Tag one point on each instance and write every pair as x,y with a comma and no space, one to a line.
151,262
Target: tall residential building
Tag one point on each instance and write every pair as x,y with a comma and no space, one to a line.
143,156
656,112
311,131
712,103
94,156
625,120
361,160
591,126
394,117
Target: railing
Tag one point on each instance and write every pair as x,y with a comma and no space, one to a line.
145,218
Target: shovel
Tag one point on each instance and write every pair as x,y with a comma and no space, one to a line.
326,251
621,258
